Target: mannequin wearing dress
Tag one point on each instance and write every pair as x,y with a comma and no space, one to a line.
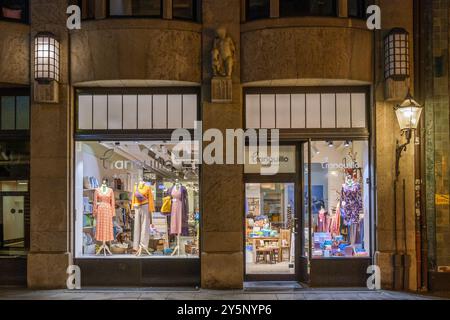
104,211
178,221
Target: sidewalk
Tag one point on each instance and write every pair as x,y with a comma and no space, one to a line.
191,294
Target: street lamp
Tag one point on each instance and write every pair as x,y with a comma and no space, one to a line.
408,116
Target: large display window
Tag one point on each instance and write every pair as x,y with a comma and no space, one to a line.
339,199
135,199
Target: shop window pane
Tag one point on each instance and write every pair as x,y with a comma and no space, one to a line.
130,112
160,111
87,9
252,113
8,113
359,110
283,111
189,111
328,111
298,111
23,113
147,8
115,112
290,8
115,214
357,8
184,9
268,111
340,199
343,110
270,228
145,111
258,9
313,110
174,111
100,112
85,112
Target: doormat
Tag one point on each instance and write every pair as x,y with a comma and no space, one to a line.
274,286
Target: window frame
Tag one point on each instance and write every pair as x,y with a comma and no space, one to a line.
16,92
26,14
196,12
335,13
247,11
108,13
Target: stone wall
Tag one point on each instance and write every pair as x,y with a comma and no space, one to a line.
14,53
306,48
388,238
136,49
437,135
50,162
222,185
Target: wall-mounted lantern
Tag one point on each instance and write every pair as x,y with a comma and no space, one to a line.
408,116
46,58
396,55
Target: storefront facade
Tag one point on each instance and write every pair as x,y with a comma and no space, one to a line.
136,71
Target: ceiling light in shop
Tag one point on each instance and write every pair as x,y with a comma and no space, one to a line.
330,144
347,143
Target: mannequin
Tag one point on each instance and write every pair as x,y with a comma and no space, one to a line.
178,216
104,211
144,205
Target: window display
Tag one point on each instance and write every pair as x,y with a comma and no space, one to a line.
340,199
147,204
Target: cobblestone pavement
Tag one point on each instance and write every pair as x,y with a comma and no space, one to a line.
171,294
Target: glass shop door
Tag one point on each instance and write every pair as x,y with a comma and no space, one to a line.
272,223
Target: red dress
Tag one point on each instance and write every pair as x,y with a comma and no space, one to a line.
104,209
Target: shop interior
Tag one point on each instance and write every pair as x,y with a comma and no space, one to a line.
136,199
269,228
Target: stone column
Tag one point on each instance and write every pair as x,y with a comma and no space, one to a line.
50,160
222,185
387,132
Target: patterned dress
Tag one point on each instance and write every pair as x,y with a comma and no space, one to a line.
351,203
104,211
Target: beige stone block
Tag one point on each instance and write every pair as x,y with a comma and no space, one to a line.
274,52
223,198
47,271
15,53
222,116
49,241
384,261
49,168
223,241
150,50
222,270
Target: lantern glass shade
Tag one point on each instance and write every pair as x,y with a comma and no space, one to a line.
396,53
46,58
408,114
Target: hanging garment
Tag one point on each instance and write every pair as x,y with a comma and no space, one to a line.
141,234
351,202
336,222
143,195
104,211
179,211
167,205
322,221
